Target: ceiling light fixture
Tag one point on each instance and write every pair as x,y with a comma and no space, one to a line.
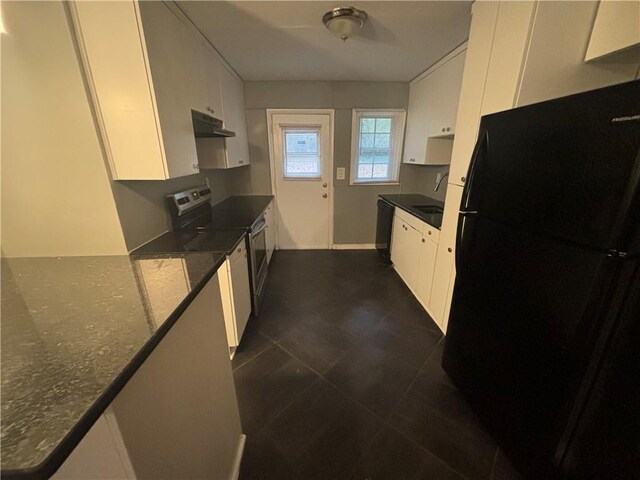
345,21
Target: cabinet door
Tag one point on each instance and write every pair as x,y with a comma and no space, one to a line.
446,83
241,289
475,72
415,142
235,119
120,88
212,80
271,230
397,238
196,91
413,244
164,42
446,254
426,263
504,73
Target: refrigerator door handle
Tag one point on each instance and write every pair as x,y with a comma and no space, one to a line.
474,168
463,220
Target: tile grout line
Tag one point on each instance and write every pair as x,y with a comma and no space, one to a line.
233,369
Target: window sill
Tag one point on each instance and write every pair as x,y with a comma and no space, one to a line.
356,184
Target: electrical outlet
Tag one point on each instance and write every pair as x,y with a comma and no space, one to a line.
340,173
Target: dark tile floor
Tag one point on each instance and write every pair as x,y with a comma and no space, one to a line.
340,378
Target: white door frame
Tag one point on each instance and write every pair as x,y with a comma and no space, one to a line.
301,111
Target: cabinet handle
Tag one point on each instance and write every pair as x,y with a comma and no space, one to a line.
324,195
463,178
324,185
423,240
195,166
429,232
240,249
241,162
443,129
448,129
449,250
412,159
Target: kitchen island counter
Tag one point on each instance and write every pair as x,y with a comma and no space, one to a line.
74,331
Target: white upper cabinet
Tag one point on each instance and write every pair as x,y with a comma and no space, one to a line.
145,79
471,92
235,119
213,106
445,84
227,152
616,28
170,59
431,119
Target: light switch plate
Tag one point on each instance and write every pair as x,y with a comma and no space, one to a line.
340,173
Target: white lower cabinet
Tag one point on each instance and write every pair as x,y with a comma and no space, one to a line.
426,263
414,245
270,218
236,293
445,259
405,247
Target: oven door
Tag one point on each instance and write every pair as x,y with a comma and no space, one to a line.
258,247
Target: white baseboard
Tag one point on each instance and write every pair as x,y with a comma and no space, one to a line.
354,246
235,471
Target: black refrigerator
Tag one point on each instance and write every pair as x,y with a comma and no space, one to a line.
544,330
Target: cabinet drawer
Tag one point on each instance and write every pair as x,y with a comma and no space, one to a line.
410,219
239,252
423,227
432,233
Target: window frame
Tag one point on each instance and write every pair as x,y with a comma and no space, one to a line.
399,116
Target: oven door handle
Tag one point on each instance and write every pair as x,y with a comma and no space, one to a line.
259,229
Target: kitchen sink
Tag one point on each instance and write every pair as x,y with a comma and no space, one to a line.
429,209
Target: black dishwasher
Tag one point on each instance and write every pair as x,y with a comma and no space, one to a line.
383,228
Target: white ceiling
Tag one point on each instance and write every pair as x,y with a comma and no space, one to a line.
268,40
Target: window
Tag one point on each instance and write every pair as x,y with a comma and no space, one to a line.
301,153
376,145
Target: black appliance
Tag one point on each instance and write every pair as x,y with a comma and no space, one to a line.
206,126
383,228
543,336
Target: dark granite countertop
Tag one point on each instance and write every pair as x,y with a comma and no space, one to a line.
408,202
239,211
221,241
74,330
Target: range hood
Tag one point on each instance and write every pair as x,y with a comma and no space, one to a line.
205,126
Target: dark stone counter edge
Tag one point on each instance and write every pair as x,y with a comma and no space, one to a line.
412,212
61,452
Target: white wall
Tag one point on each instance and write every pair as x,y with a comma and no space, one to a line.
56,196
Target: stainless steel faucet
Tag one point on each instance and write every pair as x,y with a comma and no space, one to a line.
440,181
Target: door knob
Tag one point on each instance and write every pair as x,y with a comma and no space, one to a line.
324,195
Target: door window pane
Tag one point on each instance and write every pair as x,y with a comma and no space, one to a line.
302,153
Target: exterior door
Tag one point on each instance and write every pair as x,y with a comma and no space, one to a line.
302,159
